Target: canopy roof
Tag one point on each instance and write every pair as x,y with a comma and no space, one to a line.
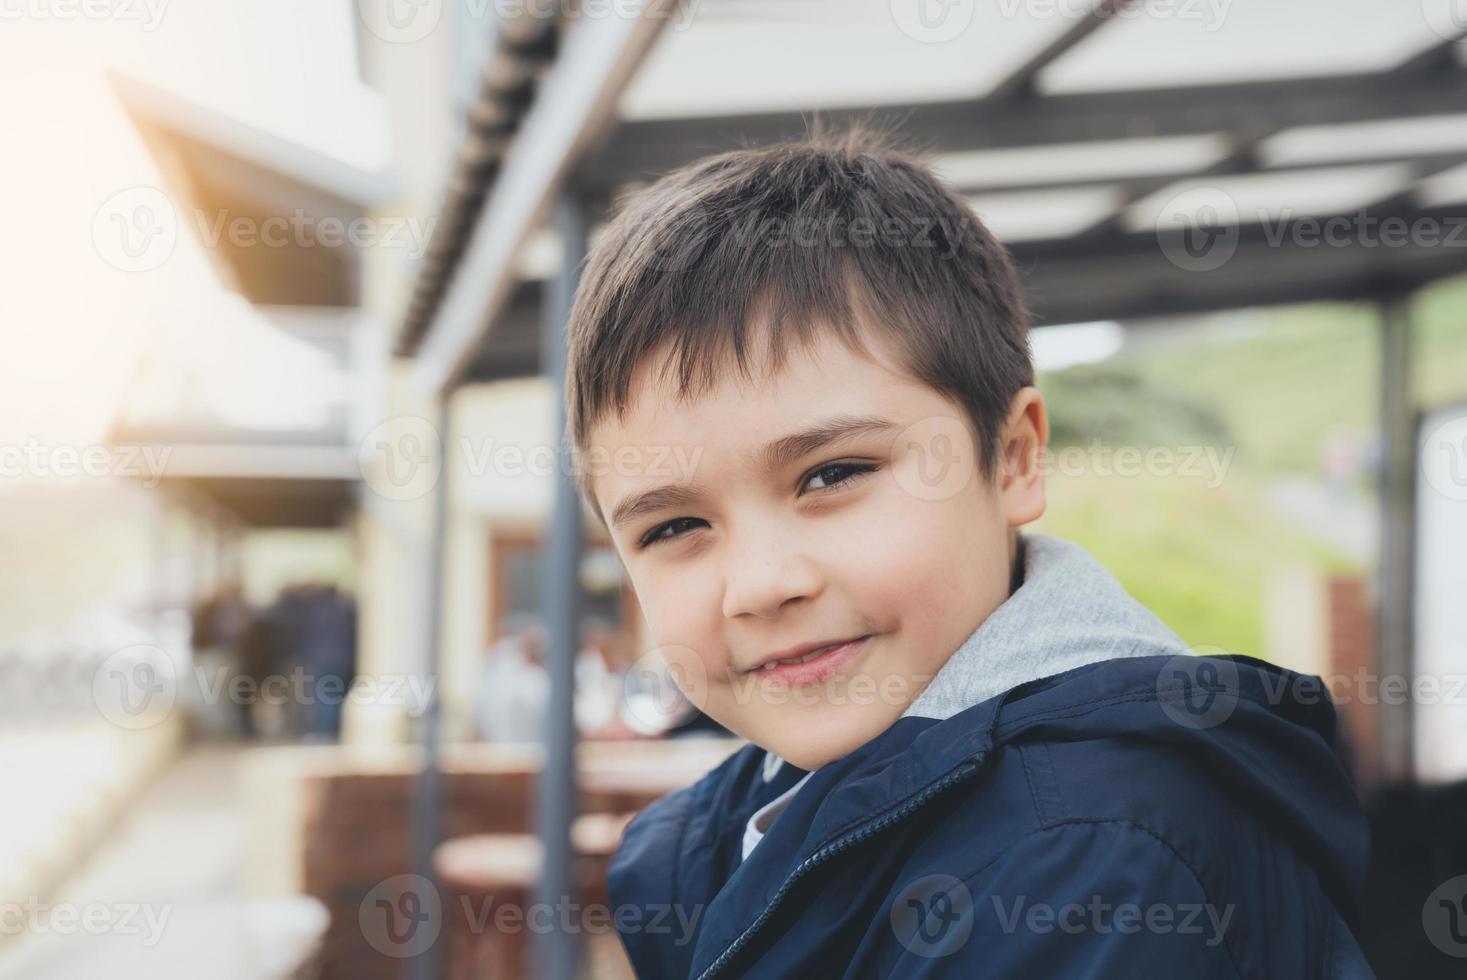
1139,159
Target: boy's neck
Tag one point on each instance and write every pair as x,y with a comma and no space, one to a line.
1016,561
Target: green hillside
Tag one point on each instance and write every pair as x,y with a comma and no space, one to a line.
1271,385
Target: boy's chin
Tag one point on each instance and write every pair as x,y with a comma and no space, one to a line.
822,737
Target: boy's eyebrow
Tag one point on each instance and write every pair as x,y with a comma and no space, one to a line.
650,501
787,449
781,451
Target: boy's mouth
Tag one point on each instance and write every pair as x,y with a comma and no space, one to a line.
809,661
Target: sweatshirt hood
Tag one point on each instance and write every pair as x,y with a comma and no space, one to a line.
1068,611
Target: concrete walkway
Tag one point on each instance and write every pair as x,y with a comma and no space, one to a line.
163,896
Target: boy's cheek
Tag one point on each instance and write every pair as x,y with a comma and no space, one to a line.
806,733
667,620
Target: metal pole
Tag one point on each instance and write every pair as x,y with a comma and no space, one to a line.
556,949
1397,517
426,828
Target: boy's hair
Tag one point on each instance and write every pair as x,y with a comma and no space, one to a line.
797,235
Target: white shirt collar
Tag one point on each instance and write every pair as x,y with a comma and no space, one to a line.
763,817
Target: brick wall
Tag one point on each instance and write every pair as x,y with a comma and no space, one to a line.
356,827
1352,654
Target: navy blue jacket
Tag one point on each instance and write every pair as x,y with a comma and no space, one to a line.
1153,816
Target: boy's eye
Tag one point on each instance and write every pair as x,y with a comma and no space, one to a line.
831,475
835,474
657,534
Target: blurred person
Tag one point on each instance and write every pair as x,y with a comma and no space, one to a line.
598,681
327,635
258,654
287,614
513,692
221,639
514,686
219,620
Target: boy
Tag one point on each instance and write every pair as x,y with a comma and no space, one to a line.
801,383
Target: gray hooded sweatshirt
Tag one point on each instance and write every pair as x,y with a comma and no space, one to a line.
1068,611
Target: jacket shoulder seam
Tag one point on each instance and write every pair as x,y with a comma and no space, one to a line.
1044,789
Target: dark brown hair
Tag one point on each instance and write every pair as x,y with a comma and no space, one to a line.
829,231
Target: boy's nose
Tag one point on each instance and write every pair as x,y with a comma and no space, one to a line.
762,584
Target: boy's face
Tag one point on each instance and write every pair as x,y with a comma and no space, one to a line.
886,533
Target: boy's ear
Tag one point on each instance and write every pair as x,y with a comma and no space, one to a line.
1022,447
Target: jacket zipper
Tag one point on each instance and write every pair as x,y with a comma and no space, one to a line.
961,772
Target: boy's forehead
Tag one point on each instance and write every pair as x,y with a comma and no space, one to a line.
736,406
658,429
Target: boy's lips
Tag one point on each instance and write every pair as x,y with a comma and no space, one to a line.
828,657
